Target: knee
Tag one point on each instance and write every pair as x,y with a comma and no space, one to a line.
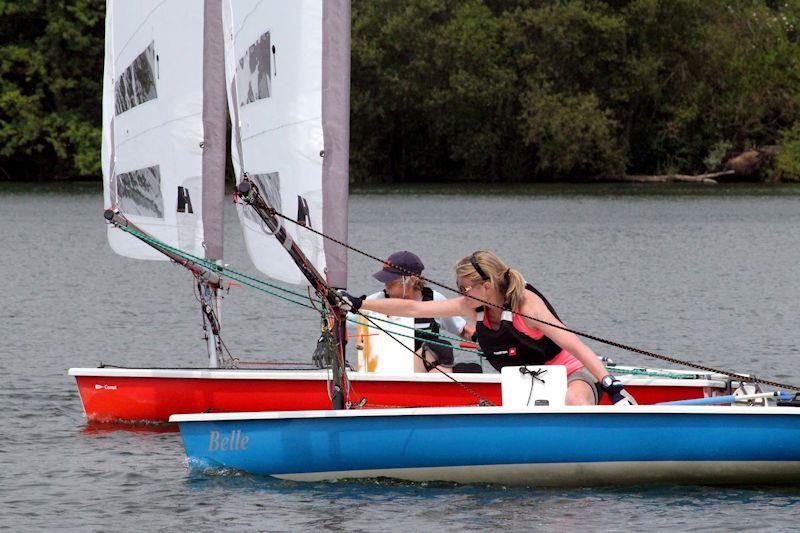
579,393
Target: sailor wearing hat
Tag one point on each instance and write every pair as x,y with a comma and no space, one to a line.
400,278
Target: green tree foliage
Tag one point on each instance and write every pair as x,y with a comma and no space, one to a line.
569,63
50,87
788,163
482,89
552,89
721,73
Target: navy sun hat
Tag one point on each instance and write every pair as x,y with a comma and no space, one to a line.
410,263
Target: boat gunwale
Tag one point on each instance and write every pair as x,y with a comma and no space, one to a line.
494,410
713,381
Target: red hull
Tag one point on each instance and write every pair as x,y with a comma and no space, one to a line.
108,398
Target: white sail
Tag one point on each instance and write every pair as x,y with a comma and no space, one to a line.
274,67
152,123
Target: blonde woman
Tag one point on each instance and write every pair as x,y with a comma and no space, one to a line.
503,331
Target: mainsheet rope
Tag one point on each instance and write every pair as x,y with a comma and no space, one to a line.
633,349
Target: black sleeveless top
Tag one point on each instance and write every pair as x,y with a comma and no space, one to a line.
508,346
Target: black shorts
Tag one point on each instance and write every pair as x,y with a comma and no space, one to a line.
444,354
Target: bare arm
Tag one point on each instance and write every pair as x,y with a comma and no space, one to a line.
535,307
457,306
467,332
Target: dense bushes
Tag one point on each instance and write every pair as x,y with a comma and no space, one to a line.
534,90
51,63
506,90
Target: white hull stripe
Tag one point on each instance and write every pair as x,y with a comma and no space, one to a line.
223,374
615,410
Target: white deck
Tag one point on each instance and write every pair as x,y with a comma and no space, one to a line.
495,410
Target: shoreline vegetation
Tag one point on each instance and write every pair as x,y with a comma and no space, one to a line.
479,91
94,186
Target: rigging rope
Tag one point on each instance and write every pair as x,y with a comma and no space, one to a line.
656,373
251,281
228,361
633,349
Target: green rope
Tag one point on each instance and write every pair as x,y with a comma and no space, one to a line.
250,281
428,331
428,341
652,373
210,265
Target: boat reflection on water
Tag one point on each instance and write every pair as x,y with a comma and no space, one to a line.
100,428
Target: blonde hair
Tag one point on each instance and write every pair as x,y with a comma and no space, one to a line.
506,280
418,284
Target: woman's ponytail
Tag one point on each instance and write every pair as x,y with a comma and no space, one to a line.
515,288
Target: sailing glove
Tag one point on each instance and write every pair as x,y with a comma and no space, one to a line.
319,359
347,302
616,392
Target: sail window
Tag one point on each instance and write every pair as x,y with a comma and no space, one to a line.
269,185
254,72
184,201
139,192
303,213
137,84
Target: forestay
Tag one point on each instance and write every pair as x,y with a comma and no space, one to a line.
287,70
152,128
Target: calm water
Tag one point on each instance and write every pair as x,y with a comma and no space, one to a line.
709,275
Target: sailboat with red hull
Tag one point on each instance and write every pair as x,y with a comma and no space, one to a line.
283,69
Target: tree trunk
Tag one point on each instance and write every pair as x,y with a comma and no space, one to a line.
668,178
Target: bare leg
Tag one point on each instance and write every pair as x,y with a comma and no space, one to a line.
579,393
419,366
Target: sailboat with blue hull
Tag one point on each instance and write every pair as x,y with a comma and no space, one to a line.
283,68
535,446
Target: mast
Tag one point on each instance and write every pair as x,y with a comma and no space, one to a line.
214,152
336,127
249,193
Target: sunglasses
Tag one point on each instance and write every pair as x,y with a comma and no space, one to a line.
465,289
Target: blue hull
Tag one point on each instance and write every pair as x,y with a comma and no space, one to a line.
546,447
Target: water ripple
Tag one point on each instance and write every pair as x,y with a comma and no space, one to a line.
711,278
